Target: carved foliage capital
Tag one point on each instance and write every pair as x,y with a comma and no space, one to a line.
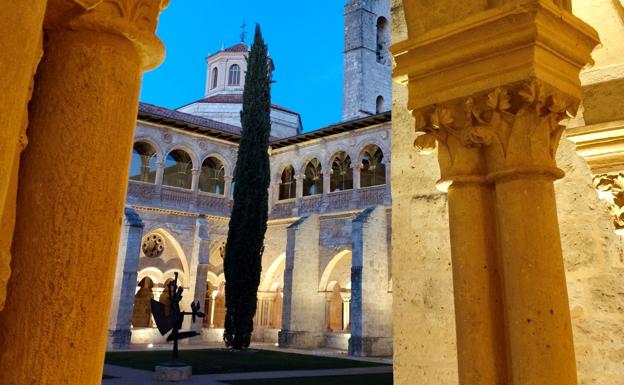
135,20
514,129
611,189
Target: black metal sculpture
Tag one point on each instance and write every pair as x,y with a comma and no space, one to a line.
171,319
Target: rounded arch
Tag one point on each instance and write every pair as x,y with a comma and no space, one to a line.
269,276
234,75
179,166
227,164
171,241
215,77
182,280
383,40
380,105
212,176
143,163
153,273
327,272
363,145
154,143
213,279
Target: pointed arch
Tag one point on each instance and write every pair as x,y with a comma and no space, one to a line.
269,276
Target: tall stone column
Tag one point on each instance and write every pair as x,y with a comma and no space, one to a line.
198,275
73,182
371,303
119,333
303,322
493,111
20,46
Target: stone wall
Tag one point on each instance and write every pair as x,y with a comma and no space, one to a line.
424,344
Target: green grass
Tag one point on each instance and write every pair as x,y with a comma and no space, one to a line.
214,361
368,379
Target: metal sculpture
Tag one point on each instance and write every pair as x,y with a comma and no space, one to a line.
169,319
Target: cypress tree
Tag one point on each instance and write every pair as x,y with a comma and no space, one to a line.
248,222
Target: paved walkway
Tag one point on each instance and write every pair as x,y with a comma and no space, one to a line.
127,376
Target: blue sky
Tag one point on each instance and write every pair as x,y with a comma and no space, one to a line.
305,40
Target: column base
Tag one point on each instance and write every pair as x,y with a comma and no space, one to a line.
300,340
119,339
370,346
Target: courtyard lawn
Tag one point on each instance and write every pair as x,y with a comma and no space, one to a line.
214,361
368,379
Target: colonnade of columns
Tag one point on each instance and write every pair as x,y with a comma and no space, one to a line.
67,218
494,120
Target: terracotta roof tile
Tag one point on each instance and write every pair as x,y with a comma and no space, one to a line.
237,99
151,109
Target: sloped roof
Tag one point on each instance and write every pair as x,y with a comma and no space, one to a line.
154,114
235,99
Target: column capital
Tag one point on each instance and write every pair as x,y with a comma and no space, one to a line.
135,20
504,133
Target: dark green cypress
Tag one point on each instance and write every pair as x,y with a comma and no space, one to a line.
248,222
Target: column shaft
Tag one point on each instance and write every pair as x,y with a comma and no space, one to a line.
73,181
119,332
20,47
536,300
476,285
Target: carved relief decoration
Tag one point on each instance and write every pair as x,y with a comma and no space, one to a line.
509,130
153,246
611,189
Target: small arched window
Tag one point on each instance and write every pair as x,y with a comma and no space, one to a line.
342,174
215,77
383,39
380,107
178,169
143,165
288,186
373,172
313,178
234,76
212,177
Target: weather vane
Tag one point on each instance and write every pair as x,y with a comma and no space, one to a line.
243,32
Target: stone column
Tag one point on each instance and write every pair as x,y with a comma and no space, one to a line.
357,172
73,182
346,306
213,298
198,275
119,333
327,182
495,121
195,179
160,172
20,47
227,189
298,193
371,303
303,324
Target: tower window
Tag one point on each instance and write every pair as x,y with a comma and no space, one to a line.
380,107
234,76
215,77
383,38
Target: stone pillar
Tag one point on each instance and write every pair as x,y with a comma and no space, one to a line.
371,302
303,324
160,171
119,333
195,173
357,172
346,306
227,189
20,47
72,187
213,298
198,275
494,121
327,182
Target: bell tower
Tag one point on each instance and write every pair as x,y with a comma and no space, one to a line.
367,88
